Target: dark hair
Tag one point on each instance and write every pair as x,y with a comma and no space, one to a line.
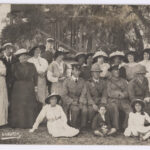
142,108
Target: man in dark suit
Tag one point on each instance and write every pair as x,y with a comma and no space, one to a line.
8,59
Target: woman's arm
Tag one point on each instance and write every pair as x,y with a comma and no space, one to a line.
39,119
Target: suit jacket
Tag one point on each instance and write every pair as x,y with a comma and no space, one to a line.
98,121
9,79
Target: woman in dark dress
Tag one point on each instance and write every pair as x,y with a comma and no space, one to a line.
23,98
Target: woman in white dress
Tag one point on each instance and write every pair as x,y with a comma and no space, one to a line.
41,66
130,65
136,121
146,62
57,72
100,58
3,96
56,118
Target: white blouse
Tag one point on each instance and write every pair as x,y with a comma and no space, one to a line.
40,63
2,69
136,124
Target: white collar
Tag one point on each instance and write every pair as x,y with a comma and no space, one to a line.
74,78
8,58
96,80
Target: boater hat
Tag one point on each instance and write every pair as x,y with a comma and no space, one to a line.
80,54
7,45
147,50
137,101
100,54
47,100
117,54
140,69
20,52
113,67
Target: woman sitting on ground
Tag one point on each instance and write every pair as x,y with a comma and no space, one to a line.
136,122
101,123
57,120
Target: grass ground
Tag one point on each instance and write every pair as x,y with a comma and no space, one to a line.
41,136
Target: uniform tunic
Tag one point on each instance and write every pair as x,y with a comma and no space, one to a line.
56,122
74,100
41,67
56,71
138,90
3,95
23,101
116,102
146,63
136,124
96,91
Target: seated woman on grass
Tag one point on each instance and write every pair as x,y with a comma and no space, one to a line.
101,124
56,118
136,123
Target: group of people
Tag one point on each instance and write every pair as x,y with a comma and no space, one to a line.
96,91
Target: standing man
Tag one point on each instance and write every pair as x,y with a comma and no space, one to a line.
8,59
138,87
117,97
49,51
96,92
48,54
74,104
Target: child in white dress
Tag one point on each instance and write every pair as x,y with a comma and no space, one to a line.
56,119
136,122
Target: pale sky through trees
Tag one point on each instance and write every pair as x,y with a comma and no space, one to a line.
4,9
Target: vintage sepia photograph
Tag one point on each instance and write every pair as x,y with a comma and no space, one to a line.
74,74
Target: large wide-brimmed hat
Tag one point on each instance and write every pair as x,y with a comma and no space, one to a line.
147,50
32,50
95,68
100,54
7,45
21,52
80,55
140,69
49,40
117,54
137,101
47,100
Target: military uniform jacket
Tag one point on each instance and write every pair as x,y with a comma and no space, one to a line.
96,91
138,90
73,91
115,87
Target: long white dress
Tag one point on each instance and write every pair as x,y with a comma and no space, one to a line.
136,124
146,63
56,122
41,66
3,96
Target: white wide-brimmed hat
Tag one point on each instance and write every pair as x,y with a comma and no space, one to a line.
6,45
47,100
100,54
21,51
117,53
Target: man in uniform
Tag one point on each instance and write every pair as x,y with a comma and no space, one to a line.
117,97
138,87
74,103
96,92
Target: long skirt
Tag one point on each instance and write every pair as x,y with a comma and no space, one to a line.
42,89
23,105
3,102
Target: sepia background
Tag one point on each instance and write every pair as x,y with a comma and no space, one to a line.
79,28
